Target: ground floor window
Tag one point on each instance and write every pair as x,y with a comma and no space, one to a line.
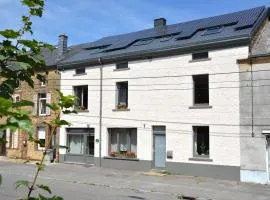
201,141
12,139
75,144
41,133
123,142
80,141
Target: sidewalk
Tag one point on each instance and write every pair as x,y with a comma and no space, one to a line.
175,185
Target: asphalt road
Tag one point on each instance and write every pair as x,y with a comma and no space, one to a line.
73,190
84,182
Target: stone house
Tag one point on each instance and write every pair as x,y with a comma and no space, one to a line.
255,108
17,145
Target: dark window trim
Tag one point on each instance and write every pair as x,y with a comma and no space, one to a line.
196,104
200,56
121,65
195,155
78,72
120,106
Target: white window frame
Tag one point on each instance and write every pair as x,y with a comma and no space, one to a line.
40,104
38,136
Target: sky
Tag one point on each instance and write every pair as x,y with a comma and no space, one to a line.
88,20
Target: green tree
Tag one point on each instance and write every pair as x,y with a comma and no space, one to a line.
20,58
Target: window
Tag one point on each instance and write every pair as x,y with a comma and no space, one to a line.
123,142
12,139
122,95
81,92
80,70
201,141
42,101
199,56
80,141
212,30
122,65
44,81
16,98
201,89
75,144
143,42
41,133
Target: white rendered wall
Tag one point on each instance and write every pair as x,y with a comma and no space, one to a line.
167,105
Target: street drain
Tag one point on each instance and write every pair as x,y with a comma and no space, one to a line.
136,197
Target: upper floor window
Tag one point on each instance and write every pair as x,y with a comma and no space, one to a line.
81,92
201,89
42,101
80,70
16,98
40,104
201,141
122,95
122,65
199,56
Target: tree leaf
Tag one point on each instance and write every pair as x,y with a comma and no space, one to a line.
45,188
20,183
22,103
10,34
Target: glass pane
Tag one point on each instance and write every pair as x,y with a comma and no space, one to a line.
203,140
123,140
133,141
75,144
90,145
113,142
43,106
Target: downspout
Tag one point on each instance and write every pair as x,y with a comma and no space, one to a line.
100,108
252,93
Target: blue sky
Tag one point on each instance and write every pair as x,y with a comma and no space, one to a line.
89,20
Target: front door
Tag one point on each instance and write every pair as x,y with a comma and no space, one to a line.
159,146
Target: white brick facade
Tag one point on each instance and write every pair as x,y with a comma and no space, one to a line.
165,101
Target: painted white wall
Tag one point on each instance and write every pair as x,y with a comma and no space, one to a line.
169,107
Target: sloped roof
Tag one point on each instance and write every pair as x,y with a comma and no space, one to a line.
226,27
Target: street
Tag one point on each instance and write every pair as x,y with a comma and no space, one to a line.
84,182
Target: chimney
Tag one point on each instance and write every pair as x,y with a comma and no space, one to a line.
160,22
62,44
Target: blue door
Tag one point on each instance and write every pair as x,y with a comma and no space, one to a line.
160,148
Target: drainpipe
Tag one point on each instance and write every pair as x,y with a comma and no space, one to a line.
100,108
252,94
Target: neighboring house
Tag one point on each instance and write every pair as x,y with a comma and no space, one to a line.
161,98
255,109
17,144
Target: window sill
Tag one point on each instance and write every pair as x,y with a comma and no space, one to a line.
200,60
200,106
204,159
116,158
123,69
81,111
119,110
82,74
